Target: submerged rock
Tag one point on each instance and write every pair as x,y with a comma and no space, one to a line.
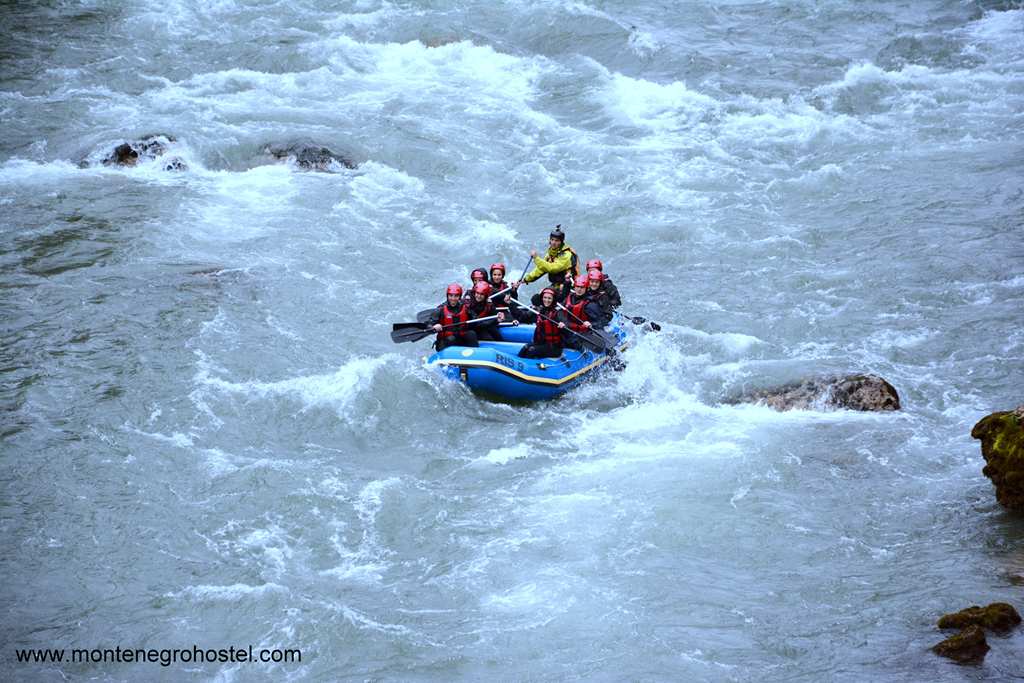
999,617
307,156
853,392
1002,445
933,51
144,149
968,646
175,164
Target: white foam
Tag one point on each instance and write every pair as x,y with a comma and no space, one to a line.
503,456
792,121
662,108
361,20
176,439
490,235
17,171
644,44
902,339
531,597
360,620
483,79
1004,30
231,593
337,390
369,502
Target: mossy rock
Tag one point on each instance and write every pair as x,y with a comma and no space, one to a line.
1002,446
999,617
967,647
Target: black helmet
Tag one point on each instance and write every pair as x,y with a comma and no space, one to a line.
557,233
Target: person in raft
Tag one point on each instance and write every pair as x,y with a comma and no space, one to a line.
607,286
480,306
560,264
498,283
455,312
595,278
478,275
547,335
580,310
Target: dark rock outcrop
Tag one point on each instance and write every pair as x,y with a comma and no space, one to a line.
853,392
307,156
967,647
999,617
1002,445
144,149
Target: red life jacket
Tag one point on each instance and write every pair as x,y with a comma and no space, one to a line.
547,332
485,309
450,318
577,310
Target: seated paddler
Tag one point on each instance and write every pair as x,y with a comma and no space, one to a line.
481,306
450,321
580,310
547,335
607,286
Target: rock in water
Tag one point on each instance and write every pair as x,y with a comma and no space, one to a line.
308,156
1002,446
864,392
853,392
147,148
999,617
968,646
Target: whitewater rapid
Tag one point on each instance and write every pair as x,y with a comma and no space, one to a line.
209,437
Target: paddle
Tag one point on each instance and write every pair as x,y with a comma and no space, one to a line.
424,316
499,293
597,344
607,337
410,332
637,320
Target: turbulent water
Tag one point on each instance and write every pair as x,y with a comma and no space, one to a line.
209,438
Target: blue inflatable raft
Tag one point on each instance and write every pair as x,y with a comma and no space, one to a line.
495,369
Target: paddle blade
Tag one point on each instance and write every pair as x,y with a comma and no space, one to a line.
609,339
424,316
409,326
638,320
594,341
410,334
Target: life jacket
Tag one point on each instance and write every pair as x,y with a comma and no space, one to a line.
547,332
574,265
448,317
481,310
600,297
576,310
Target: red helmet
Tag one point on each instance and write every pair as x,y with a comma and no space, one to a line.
454,288
581,281
547,290
478,272
482,288
498,266
595,263
595,275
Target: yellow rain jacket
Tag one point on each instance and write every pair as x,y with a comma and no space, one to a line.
555,263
